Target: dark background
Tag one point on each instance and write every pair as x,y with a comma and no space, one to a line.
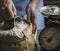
52,2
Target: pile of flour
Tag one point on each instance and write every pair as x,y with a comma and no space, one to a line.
16,30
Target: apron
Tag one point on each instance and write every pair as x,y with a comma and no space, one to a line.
21,5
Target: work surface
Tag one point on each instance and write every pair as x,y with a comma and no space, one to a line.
52,2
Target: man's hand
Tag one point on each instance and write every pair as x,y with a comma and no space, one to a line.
31,14
7,9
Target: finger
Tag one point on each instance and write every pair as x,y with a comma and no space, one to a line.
28,12
11,12
33,29
14,10
3,13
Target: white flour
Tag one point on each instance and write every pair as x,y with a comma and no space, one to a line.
16,30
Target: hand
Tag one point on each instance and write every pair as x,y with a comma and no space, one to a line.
7,9
31,15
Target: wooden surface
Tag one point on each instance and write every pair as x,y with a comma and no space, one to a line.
52,2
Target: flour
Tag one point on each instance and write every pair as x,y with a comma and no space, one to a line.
16,30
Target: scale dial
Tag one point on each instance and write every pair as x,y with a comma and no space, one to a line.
49,38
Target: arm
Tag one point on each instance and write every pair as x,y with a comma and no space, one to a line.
31,13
